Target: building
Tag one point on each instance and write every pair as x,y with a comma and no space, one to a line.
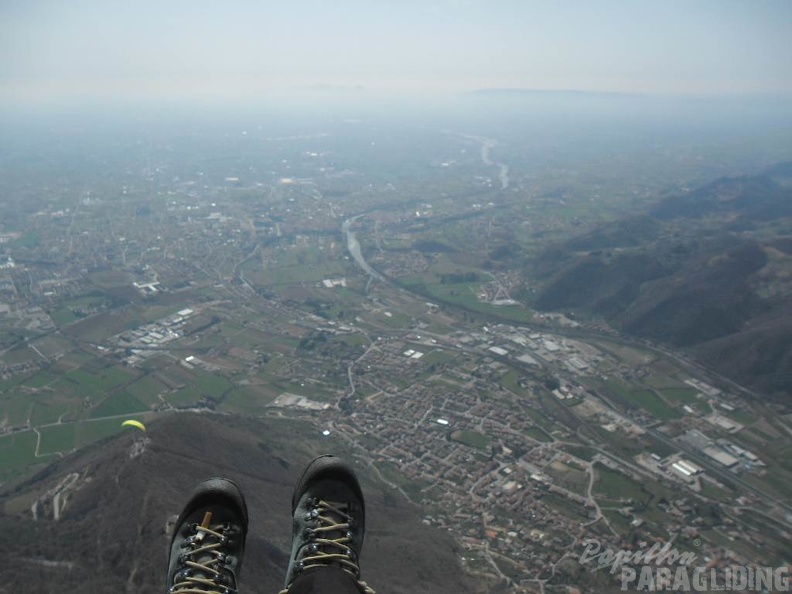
721,457
686,468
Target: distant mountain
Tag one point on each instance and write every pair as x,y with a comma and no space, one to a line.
629,232
781,171
516,92
709,270
756,197
111,532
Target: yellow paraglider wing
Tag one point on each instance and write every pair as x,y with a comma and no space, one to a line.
134,423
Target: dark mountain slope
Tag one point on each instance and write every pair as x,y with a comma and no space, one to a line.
749,197
713,272
599,283
630,232
708,297
781,170
759,355
111,536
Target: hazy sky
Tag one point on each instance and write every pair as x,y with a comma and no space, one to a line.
236,48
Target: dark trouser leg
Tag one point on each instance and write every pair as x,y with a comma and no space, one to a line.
324,580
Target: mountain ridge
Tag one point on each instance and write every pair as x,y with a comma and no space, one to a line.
703,270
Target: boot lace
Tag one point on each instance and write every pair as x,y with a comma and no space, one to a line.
329,545
203,565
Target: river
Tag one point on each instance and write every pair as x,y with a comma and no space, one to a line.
353,245
486,145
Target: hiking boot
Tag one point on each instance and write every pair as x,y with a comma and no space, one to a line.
209,540
329,520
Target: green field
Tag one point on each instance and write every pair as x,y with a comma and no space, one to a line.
248,400
59,438
48,410
122,403
618,521
565,506
569,478
445,282
653,404
539,417
16,409
510,381
614,485
630,355
465,295
538,434
663,381
210,384
16,452
146,389
582,452
23,354
741,416
472,439
95,385
184,397
286,275
645,399
27,240
714,492
7,385
52,345
70,436
683,395
41,379
110,278
438,357
63,317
